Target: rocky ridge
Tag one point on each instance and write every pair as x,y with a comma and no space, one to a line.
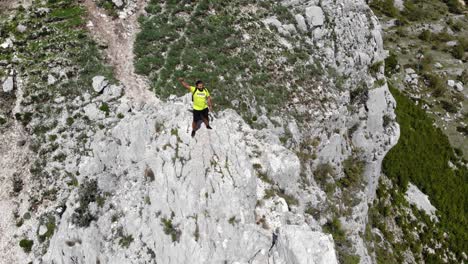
134,187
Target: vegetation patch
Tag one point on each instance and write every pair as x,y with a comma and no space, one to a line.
423,156
88,193
26,244
186,40
170,229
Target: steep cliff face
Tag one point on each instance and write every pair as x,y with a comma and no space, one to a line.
108,173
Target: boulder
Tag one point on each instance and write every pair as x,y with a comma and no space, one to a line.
118,3
99,83
8,84
451,83
21,28
7,44
42,230
459,86
301,24
315,16
51,80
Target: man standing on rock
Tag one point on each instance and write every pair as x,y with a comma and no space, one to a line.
201,103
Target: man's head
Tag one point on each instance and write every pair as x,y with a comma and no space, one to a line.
199,84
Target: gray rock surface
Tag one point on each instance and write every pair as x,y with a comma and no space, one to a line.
8,84
199,183
99,83
315,16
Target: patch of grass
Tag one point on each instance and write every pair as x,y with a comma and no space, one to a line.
169,47
171,229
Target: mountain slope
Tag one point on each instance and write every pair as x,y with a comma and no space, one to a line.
116,178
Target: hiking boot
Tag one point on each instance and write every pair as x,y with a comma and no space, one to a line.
193,133
208,126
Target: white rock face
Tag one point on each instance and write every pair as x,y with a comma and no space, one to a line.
299,245
199,183
315,16
99,83
414,196
8,84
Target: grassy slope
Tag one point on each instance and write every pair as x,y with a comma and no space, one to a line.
422,156
423,152
223,43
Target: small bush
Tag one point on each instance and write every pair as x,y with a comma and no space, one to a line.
387,120
323,173
353,168
359,95
125,241
170,229
458,51
49,222
105,108
391,63
436,83
88,193
26,245
449,107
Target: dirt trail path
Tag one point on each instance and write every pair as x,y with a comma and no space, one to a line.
119,35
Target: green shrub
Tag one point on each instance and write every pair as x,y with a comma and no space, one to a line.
125,240
170,229
458,51
449,107
49,222
26,245
386,7
105,108
454,6
353,168
323,173
391,64
334,228
87,193
436,84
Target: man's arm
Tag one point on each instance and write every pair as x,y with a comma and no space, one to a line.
186,85
210,104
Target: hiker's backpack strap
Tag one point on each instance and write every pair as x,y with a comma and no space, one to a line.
194,91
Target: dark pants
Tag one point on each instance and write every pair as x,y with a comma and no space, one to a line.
200,116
